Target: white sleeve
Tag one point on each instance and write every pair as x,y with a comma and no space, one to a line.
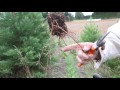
112,45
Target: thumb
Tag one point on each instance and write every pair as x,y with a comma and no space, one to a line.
86,48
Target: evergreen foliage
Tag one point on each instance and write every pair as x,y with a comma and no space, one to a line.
23,49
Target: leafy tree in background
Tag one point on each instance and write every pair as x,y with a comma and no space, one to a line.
23,44
44,14
68,16
106,15
79,15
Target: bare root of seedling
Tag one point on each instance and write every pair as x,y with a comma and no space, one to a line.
56,19
57,25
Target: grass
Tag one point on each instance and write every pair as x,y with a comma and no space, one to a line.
67,70
111,68
70,69
53,46
69,58
89,70
105,71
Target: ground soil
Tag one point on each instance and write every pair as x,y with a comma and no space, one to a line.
77,26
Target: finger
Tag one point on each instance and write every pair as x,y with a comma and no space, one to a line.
82,54
74,46
70,47
87,46
78,58
90,56
81,62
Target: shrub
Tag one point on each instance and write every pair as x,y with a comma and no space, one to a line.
114,65
90,33
23,46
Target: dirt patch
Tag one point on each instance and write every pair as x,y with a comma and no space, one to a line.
57,70
77,26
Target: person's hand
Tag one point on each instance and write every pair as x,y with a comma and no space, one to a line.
81,50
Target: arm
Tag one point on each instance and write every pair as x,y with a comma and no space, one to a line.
112,45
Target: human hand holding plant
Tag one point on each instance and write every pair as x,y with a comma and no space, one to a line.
81,49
